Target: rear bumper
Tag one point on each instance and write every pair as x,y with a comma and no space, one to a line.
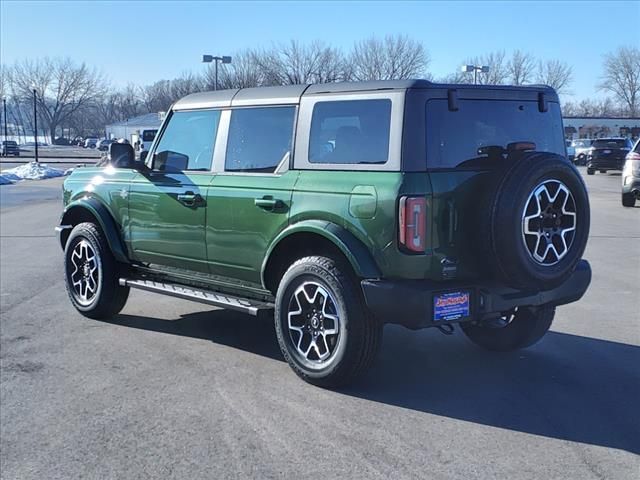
410,302
605,163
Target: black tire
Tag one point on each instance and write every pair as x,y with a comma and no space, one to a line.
526,327
102,274
352,350
628,200
503,243
590,171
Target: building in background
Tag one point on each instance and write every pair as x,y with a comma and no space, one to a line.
132,129
598,127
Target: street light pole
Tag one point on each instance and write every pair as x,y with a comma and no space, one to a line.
35,123
4,109
211,58
475,69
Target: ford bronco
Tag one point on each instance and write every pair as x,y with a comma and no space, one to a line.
337,208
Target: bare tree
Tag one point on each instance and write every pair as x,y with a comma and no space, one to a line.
62,88
556,74
521,68
294,63
591,108
243,72
622,77
393,57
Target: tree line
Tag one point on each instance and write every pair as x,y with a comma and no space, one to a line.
75,99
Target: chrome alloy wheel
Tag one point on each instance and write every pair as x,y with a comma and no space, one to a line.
314,323
85,276
549,222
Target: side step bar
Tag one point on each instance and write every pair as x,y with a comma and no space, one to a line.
252,307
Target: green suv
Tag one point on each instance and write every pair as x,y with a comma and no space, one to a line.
338,208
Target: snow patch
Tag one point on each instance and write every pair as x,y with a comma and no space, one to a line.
32,171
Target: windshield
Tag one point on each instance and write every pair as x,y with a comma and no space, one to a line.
581,143
610,143
455,137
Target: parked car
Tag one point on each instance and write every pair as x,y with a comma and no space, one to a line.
103,145
62,141
607,154
631,177
10,147
336,208
571,151
581,148
90,142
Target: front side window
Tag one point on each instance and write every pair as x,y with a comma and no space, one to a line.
482,132
350,132
259,139
187,141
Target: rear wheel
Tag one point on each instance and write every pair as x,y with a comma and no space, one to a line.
322,324
91,274
520,328
590,171
628,200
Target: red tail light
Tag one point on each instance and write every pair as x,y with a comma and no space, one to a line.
413,223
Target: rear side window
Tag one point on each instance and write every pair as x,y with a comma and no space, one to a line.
455,138
259,138
350,132
187,141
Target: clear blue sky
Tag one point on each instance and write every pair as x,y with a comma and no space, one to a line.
142,42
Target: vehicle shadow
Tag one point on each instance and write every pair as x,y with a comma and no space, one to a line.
567,387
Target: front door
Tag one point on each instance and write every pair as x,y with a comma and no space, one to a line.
167,203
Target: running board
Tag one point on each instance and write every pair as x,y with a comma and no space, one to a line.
252,307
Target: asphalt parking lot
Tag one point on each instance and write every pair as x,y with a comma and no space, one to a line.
171,389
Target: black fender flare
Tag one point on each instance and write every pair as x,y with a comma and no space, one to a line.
105,220
353,249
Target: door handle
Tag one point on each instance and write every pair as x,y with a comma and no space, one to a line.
268,203
190,199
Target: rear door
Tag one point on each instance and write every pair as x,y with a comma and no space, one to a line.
167,204
250,197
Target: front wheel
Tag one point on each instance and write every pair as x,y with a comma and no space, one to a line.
521,328
590,171
628,200
322,324
91,274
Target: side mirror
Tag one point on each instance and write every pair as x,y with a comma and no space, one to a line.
121,155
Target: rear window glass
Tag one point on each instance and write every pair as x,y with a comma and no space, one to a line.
610,142
454,138
148,135
350,132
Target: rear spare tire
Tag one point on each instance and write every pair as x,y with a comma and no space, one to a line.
538,221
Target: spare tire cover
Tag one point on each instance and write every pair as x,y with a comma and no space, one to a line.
538,221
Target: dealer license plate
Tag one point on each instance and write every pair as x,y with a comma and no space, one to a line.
451,306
